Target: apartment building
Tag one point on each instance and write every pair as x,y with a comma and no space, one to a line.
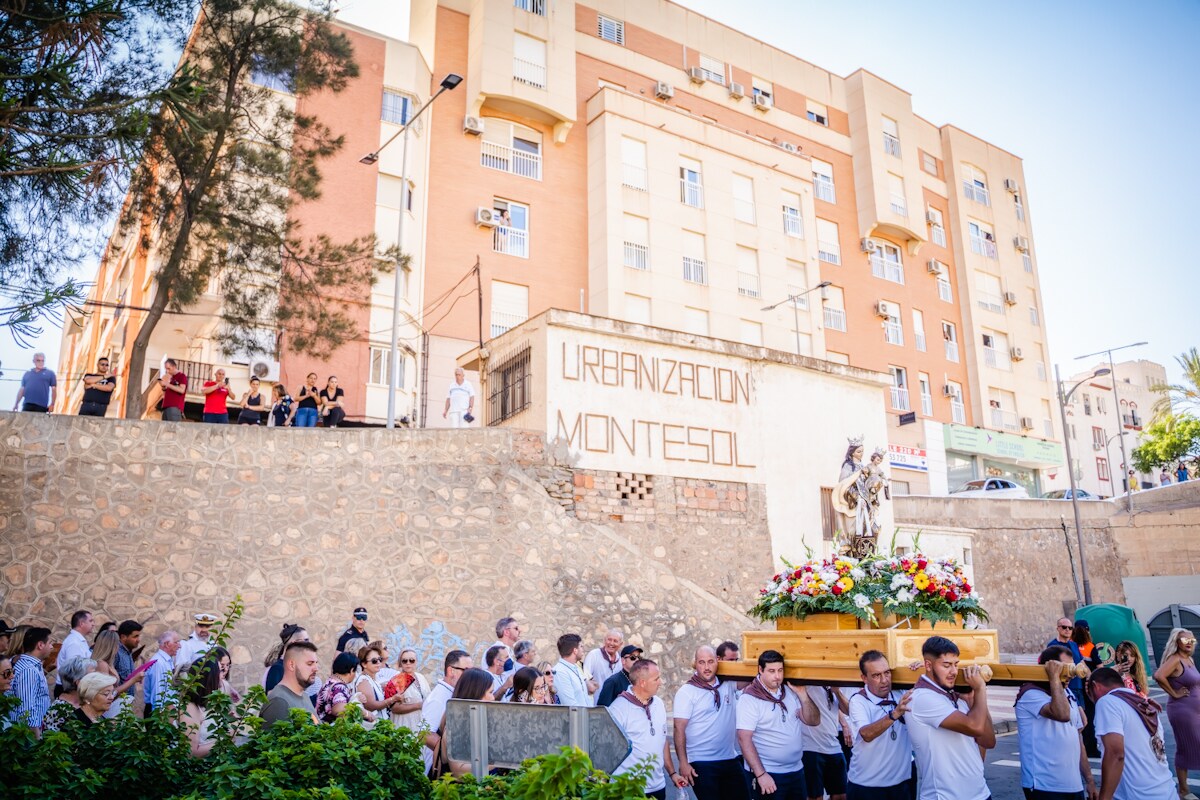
1097,418
641,162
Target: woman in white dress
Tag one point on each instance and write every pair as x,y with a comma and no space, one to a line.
370,661
408,711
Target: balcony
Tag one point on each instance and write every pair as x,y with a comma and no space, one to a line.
893,333
502,322
944,291
927,405
509,159
1131,420
990,301
997,359
919,338
691,193
938,235
958,412
510,241
829,252
982,246
637,256
532,6
888,270
951,351
1004,420
823,188
979,194
899,398
633,177
1048,428
695,270
793,223
891,145
835,319
748,284
529,73
899,206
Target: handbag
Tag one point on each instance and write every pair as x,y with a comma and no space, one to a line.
441,764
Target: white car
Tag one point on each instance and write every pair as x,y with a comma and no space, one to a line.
991,487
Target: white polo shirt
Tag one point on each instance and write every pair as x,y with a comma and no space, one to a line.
884,761
711,732
823,737
1145,777
776,735
460,395
646,735
596,665
74,646
948,763
433,711
1049,749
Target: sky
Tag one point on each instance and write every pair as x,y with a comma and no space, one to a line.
1100,99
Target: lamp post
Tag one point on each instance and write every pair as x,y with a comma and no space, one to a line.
1063,399
448,83
794,299
1108,457
1112,368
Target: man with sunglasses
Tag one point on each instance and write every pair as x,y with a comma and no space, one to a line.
434,710
1063,639
357,630
98,387
614,685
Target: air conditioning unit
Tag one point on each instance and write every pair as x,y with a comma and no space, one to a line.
486,217
1015,354
696,75
948,391
762,102
935,267
264,369
473,126
1010,298
1026,423
664,90
885,309
868,245
930,217
791,148
737,91
1021,243
1011,186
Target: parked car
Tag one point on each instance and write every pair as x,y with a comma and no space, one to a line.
991,487
1065,494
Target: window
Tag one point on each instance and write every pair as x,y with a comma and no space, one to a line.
1047,421
390,193
532,6
510,147
1001,404
747,266
764,89
1027,261
691,191
511,235
611,30
1102,469
397,107
899,391
1018,206
529,61
926,395
712,69
637,242
743,199
510,306
958,412
818,113
1040,368
633,164
950,337
893,329
1087,404
1097,438
929,164
918,320
1100,404
695,320
937,226
886,262
834,312
983,241
828,248
995,351
694,268
752,332
509,387
637,309
1034,319
270,76
797,283
793,222
891,137
899,202
989,297
379,373
823,181
944,291
974,183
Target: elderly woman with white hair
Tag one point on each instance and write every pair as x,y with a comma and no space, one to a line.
63,709
95,696
1179,679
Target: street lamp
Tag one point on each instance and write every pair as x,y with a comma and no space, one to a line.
1120,422
1063,399
1108,457
448,83
794,299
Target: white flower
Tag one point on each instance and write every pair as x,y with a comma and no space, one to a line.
857,574
861,600
829,577
899,580
904,595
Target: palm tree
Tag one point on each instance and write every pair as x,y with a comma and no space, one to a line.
1181,398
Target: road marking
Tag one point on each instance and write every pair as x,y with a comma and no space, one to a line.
1005,762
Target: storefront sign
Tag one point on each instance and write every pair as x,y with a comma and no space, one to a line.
901,457
1032,452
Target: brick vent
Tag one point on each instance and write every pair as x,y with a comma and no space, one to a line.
635,486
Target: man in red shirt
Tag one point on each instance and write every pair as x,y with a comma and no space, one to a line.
216,397
174,388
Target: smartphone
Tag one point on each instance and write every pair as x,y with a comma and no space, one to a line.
227,381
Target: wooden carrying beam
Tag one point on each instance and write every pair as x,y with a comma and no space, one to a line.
808,673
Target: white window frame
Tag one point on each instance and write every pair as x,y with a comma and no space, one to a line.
747,267
636,254
529,71
829,251
937,226
610,29
818,113
380,365
393,97
983,239
899,389
974,182
537,7
793,217
509,239
695,264
691,192
945,289
743,206
824,187
505,156
898,200
891,137
713,69
762,88
634,175
929,163
887,262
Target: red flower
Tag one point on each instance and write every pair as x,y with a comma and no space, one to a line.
951,596
835,589
931,588
966,588
922,563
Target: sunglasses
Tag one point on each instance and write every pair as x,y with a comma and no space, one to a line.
408,661
548,673
1066,627
1186,640
361,617
374,660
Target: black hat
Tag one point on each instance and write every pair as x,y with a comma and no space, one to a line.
629,650
360,613
4,629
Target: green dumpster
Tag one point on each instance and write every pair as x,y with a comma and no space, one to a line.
1110,625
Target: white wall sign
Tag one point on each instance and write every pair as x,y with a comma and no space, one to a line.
902,457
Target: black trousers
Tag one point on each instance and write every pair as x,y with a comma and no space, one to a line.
720,780
93,409
901,791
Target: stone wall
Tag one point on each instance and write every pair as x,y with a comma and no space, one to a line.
437,533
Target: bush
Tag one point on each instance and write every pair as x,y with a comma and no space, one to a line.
567,775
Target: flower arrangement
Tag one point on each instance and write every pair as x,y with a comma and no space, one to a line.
912,585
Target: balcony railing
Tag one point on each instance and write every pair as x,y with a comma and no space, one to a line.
1004,420
637,256
899,398
529,73
977,193
1049,428
919,338
958,412
983,247
997,358
888,270
989,301
891,145
938,234
944,290
829,252
951,351
502,322
532,6
511,241
899,206
793,223
691,193
1131,420
893,333
823,187
748,284
927,405
509,159
835,318
694,270
633,177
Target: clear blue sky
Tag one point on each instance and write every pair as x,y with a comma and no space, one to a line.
1101,100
